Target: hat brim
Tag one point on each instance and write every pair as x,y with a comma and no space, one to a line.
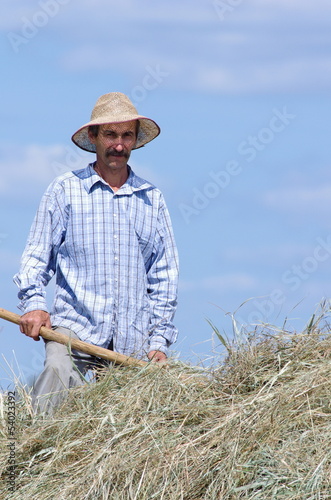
148,130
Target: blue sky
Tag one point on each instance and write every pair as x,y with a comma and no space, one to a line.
241,91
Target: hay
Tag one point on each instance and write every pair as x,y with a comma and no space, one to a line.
258,426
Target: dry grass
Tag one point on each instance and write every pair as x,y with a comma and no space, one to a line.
258,426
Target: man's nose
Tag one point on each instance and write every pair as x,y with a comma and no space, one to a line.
119,144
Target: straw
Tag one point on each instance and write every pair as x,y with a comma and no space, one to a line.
259,427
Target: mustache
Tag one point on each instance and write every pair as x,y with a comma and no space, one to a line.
113,152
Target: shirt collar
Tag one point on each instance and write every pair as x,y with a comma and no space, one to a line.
133,183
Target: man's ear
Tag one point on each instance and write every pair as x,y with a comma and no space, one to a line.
91,136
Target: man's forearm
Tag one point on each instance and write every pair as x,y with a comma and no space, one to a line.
32,298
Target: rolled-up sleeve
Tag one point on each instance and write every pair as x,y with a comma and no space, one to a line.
162,280
38,261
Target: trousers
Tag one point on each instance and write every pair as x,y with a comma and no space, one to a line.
63,370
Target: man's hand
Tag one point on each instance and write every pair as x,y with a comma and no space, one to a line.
32,321
157,356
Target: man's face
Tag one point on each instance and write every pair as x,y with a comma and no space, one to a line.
114,143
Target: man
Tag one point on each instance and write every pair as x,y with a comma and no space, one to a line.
106,235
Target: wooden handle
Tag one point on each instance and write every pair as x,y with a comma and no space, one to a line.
61,338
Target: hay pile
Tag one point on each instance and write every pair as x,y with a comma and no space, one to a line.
258,426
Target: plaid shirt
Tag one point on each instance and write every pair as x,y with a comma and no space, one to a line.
115,261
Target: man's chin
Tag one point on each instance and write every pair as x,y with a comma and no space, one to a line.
117,162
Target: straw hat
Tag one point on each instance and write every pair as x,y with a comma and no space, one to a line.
116,108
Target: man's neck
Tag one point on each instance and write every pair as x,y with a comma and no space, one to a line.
114,177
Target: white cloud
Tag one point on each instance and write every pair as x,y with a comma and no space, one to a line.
253,50
230,282
296,5
304,199
258,47
24,170
152,175
102,14
277,75
9,259
224,283
13,13
278,253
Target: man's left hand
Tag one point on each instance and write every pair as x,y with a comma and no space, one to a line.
157,356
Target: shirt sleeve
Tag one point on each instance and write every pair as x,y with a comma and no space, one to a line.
162,280
38,262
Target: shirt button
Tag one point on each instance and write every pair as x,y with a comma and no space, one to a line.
115,236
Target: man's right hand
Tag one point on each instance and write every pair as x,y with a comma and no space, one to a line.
32,321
